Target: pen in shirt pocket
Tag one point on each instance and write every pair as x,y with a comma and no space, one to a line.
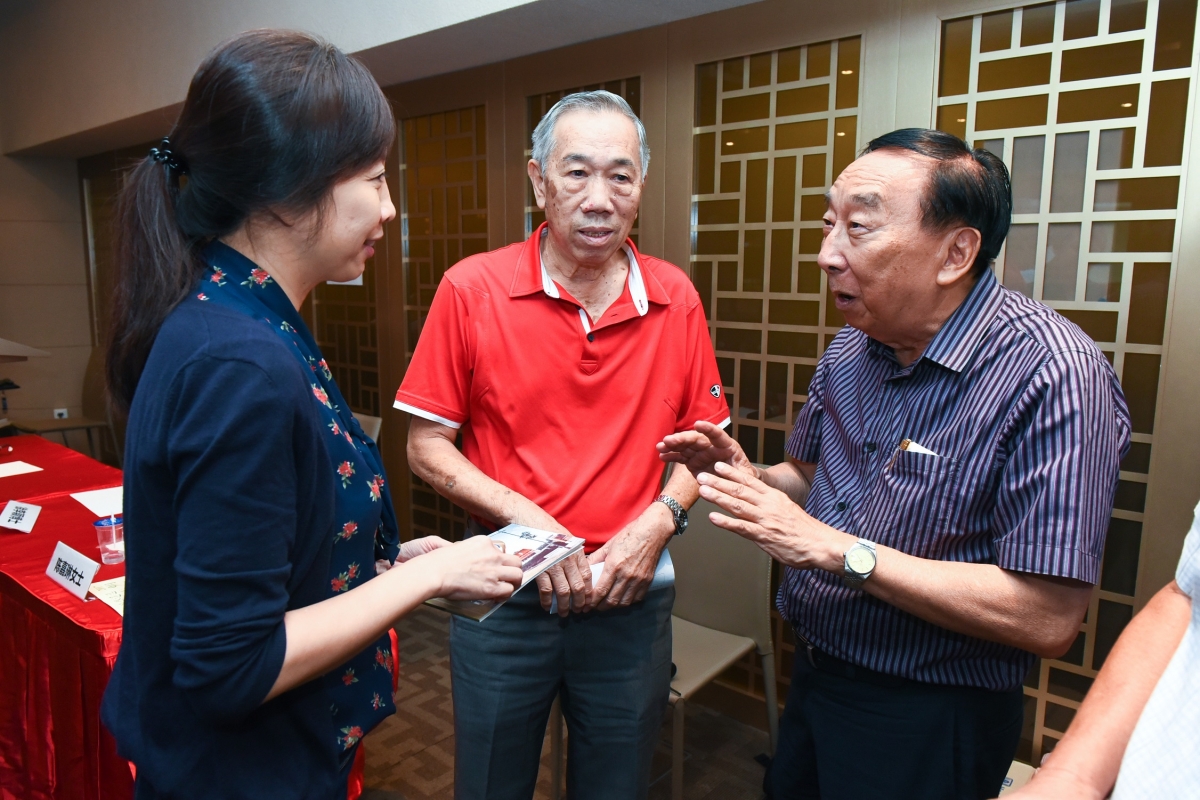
910,446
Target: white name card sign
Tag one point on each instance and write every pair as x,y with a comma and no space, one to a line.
19,516
72,570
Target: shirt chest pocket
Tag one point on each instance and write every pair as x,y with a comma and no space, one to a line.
912,503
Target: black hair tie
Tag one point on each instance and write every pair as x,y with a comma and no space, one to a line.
164,155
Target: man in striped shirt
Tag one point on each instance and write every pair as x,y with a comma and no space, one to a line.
943,510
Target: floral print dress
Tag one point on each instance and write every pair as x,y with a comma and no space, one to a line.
361,689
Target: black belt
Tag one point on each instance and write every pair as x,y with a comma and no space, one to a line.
823,662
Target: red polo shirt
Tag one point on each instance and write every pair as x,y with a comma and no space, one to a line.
562,410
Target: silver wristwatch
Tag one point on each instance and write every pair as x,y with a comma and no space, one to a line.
858,563
678,513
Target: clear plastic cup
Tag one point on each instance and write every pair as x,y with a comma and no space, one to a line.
110,533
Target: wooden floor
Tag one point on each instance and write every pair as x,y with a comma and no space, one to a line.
411,755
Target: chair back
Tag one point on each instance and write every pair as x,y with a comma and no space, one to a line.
722,581
370,425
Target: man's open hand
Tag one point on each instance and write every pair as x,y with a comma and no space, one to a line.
700,449
770,519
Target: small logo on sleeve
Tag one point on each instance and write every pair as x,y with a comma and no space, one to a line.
715,390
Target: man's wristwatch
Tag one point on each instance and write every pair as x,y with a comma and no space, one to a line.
678,512
858,563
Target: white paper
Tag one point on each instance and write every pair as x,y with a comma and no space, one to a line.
103,502
913,447
111,592
664,576
664,573
10,468
19,516
71,570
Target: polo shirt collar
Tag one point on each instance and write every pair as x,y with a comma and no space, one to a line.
531,276
956,342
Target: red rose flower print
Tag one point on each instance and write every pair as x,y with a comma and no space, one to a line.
348,677
319,393
340,584
258,277
383,658
352,572
217,277
325,370
376,702
333,426
346,470
348,530
202,296
350,736
376,486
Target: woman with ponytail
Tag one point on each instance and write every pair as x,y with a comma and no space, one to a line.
255,652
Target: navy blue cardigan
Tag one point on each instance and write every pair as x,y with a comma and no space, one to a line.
228,492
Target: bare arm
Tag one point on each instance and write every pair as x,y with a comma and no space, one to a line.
433,456
1035,613
325,634
1085,762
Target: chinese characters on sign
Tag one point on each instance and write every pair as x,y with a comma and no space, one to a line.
19,516
71,570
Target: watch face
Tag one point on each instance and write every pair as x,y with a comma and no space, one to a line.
860,559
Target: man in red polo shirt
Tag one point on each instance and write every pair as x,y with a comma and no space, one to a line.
563,361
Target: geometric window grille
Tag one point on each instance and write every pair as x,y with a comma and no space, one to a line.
1086,103
536,106
345,331
443,220
771,133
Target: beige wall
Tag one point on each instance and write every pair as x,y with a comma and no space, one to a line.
78,77
43,283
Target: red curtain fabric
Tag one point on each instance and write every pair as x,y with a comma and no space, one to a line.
56,652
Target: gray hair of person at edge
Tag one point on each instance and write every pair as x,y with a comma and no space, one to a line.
966,187
597,102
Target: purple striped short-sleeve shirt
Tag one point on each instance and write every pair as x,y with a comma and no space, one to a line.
1027,424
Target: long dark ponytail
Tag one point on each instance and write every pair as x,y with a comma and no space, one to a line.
272,121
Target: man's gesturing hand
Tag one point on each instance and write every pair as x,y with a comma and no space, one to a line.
631,557
699,449
771,520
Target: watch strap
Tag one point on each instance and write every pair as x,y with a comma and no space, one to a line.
678,512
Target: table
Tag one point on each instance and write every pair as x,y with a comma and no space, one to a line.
56,652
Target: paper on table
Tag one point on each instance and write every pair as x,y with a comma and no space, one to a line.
111,592
102,502
19,516
10,468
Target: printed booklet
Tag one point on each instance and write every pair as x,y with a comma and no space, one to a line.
538,551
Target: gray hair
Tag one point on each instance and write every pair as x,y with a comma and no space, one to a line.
597,101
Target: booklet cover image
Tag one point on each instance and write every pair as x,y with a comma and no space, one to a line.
538,550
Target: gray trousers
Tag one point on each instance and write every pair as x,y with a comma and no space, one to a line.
613,670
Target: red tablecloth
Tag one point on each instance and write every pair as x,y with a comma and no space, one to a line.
56,652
